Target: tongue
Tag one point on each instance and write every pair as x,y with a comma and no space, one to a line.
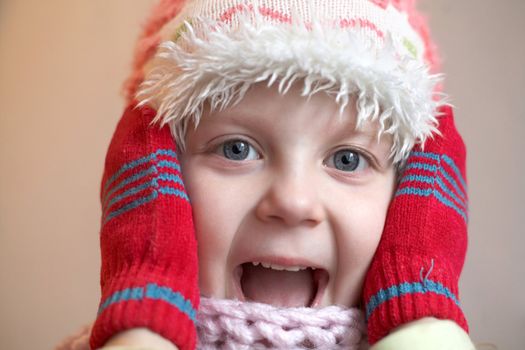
278,288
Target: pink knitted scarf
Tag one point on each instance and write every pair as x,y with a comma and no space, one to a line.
232,324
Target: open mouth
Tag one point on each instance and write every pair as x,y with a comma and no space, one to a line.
283,286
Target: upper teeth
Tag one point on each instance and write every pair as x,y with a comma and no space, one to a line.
279,267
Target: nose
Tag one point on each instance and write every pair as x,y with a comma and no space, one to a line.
291,197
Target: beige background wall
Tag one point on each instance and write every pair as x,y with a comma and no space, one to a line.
61,66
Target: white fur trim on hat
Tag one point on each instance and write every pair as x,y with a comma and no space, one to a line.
216,62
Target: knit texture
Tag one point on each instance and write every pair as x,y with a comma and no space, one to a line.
416,268
149,271
236,325
231,324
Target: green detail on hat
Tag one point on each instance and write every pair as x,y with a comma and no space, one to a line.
180,30
410,47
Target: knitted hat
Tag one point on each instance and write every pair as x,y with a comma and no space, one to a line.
213,51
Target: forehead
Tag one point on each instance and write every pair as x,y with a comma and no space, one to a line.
264,108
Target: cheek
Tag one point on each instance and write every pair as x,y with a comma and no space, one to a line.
364,219
217,214
212,229
360,231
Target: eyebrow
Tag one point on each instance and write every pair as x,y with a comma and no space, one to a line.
367,132
240,117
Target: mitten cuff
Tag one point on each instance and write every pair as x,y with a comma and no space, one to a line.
147,296
405,288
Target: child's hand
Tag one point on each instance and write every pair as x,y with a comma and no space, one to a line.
138,339
149,255
416,267
426,334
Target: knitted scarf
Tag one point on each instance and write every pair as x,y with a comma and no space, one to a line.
231,324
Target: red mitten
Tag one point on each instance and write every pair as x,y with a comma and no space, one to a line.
416,267
149,252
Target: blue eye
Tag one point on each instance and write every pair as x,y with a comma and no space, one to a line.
239,150
348,160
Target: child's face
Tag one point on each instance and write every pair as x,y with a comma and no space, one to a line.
283,180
